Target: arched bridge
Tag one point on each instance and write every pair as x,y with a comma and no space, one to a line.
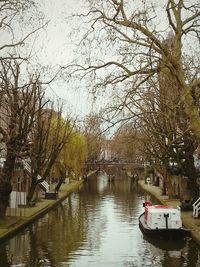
108,166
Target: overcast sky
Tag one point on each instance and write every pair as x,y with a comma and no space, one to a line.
54,47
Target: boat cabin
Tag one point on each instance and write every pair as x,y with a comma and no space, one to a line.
162,217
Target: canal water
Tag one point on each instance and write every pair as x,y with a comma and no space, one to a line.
97,226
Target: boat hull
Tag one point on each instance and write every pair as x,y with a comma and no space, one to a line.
165,233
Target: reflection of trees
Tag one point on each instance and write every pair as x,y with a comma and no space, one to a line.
52,238
172,261
15,250
63,232
39,252
193,259
4,262
33,252
122,191
90,196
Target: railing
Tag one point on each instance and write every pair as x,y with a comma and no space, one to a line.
196,208
44,185
27,166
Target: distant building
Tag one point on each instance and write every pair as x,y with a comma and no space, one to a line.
106,152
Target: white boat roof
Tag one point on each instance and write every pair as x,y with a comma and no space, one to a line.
161,209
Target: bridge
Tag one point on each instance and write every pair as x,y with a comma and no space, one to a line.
109,166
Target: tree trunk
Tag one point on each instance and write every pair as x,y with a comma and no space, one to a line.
167,180
5,183
4,256
191,173
31,191
5,190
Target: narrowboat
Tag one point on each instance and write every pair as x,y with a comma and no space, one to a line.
162,221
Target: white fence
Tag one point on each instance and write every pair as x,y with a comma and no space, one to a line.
196,208
17,198
44,185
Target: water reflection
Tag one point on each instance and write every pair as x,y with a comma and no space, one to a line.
97,226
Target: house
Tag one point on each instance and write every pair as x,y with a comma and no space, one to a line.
179,183
21,182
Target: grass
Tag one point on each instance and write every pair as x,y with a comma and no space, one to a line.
8,221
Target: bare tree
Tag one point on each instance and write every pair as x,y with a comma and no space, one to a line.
133,46
93,135
13,15
18,109
127,144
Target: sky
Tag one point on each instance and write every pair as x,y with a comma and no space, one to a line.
54,47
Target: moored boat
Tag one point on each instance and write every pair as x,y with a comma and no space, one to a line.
162,221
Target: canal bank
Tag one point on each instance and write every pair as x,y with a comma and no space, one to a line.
188,220
12,224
